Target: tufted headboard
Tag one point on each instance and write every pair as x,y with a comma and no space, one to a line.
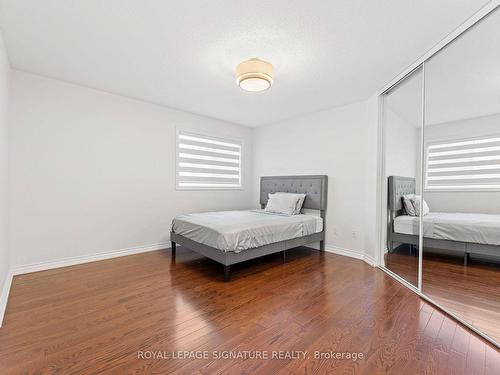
399,186
315,188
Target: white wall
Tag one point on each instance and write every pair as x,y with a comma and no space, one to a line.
341,143
4,246
94,172
402,146
372,202
464,201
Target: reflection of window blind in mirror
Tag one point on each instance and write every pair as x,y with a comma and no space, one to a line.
461,165
205,162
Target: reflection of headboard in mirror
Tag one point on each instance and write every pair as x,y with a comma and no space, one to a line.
399,186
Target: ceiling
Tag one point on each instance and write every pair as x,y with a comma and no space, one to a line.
462,81
182,54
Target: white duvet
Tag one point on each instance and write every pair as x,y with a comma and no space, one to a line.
240,230
455,226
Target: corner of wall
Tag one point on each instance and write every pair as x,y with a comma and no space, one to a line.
372,191
4,296
5,273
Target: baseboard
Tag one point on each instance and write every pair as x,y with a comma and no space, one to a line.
350,253
344,252
65,262
4,297
371,261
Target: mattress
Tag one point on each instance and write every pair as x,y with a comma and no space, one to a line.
454,226
241,230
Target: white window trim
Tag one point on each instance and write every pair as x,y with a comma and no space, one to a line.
200,133
432,142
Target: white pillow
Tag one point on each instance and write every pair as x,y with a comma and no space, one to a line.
408,203
300,201
281,204
416,205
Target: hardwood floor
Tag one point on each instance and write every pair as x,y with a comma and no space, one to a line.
472,292
94,318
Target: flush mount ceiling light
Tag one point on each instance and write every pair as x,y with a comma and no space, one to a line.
254,75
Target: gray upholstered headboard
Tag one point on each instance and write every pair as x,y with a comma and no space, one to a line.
399,186
315,188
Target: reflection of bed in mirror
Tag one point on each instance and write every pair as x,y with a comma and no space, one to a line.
467,233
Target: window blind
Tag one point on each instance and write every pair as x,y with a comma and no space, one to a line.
205,162
467,164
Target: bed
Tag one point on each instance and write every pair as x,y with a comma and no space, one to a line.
468,233
231,237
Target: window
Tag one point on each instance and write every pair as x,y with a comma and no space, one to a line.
207,163
471,164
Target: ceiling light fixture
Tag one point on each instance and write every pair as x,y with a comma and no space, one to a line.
254,75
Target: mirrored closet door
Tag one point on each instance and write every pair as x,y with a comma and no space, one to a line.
441,181
402,111
461,252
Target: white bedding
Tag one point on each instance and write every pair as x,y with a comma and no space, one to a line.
465,227
240,230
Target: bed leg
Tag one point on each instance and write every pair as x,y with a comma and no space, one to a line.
227,273
414,250
322,245
284,256
173,248
466,259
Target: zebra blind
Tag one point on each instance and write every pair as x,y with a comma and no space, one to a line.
205,162
460,165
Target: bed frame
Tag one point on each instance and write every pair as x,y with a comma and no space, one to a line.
316,190
399,186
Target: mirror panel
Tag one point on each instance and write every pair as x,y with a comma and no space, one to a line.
461,252
402,121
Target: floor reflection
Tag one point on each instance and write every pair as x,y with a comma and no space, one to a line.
403,261
471,292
